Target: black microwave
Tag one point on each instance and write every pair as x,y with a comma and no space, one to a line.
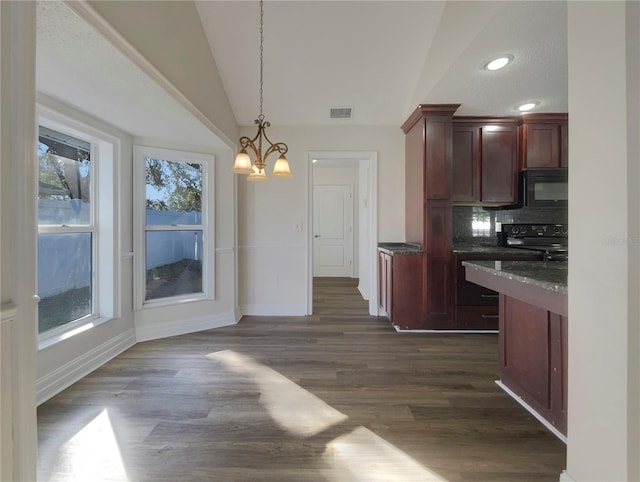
543,187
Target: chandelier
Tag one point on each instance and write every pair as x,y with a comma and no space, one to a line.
242,164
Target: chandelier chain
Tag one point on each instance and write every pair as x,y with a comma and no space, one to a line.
261,116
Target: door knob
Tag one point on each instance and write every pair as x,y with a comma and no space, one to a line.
317,236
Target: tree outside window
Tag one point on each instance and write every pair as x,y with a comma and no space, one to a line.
173,228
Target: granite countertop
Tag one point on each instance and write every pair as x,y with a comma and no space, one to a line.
550,275
400,248
488,249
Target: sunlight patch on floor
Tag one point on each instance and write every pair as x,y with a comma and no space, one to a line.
359,455
364,456
291,407
91,454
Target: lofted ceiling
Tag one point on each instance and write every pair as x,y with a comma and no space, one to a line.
382,58
78,66
379,58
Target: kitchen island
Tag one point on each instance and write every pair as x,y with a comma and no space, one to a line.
532,333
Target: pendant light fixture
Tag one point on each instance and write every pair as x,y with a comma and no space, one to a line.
242,164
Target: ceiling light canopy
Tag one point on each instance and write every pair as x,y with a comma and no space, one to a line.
242,164
527,107
499,62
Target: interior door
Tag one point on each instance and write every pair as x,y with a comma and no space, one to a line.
333,231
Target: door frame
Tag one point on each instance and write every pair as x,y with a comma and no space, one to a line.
369,166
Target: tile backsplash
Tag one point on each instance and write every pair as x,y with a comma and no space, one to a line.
477,226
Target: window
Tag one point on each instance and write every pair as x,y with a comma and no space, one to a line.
174,241
76,213
66,229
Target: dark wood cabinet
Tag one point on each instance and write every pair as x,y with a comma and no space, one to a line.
400,288
484,160
533,358
465,184
428,214
499,164
532,338
544,141
476,307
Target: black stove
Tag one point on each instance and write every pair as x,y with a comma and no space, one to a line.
552,240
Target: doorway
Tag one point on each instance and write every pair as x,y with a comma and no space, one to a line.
364,223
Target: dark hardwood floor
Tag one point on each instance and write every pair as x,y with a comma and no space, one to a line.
337,396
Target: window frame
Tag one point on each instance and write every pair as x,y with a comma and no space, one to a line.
140,155
105,271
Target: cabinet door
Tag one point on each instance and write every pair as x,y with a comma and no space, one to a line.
465,185
541,145
544,141
437,158
499,164
524,351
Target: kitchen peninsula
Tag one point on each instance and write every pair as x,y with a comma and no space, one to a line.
532,333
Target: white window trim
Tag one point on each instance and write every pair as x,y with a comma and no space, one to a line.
140,154
106,275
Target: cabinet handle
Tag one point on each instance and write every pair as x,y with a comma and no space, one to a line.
489,296
489,316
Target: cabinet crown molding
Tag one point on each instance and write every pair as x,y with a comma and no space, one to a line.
543,118
425,110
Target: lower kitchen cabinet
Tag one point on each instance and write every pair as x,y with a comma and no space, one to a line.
476,307
400,288
533,358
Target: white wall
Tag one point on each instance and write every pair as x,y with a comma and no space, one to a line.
603,427
269,248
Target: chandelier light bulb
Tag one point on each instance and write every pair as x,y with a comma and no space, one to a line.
242,165
258,175
281,168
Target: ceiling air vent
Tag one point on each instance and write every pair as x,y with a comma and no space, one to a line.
340,113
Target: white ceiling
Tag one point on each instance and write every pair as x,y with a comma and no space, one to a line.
382,58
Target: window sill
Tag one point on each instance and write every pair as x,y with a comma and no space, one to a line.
175,300
48,340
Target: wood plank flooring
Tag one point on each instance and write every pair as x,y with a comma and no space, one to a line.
337,396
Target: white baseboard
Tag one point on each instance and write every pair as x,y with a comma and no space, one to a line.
273,310
565,477
182,327
53,383
533,412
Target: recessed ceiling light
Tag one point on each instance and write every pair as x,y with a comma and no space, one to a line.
498,63
527,107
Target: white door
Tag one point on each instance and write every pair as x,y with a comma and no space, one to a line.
332,231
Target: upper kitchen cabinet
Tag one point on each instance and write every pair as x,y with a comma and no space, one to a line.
544,140
428,153
485,160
